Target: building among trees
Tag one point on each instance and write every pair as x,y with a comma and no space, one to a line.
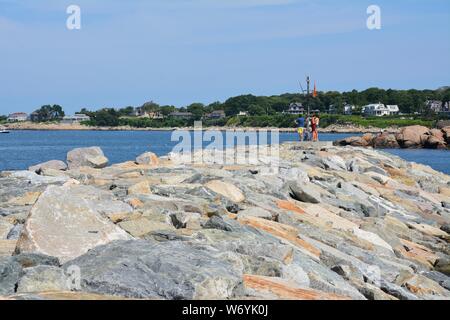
76,118
295,108
17,117
380,110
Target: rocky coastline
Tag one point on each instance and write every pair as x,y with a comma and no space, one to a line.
408,137
330,223
79,127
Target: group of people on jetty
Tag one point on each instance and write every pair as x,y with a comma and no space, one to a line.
307,128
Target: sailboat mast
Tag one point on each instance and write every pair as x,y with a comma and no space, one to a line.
308,81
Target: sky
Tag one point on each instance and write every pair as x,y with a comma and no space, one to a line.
182,51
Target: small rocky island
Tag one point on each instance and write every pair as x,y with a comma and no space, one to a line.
407,137
332,223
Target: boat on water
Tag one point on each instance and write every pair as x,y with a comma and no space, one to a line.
3,130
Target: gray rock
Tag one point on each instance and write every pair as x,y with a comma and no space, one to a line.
10,273
305,193
43,279
148,269
217,222
86,157
334,163
256,212
397,291
443,265
446,227
442,279
30,260
35,179
15,232
53,164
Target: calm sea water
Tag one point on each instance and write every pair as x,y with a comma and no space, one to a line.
21,149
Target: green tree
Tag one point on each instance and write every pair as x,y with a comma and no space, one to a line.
105,118
150,106
256,110
197,110
166,110
49,113
127,111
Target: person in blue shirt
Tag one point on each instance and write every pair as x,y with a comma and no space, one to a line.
300,127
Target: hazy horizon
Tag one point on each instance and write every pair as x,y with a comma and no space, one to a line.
181,52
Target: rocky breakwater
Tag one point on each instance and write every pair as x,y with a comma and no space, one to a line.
329,223
407,137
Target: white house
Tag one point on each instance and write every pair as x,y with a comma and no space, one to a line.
76,118
380,110
243,114
348,109
393,109
295,108
17,117
434,105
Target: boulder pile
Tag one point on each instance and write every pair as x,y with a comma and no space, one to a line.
328,223
407,137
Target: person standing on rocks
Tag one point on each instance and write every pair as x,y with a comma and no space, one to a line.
300,127
317,127
308,128
314,122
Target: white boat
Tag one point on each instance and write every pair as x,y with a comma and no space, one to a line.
3,130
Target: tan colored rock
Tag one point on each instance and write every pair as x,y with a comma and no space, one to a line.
142,226
419,253
226,189
445,191
438,134
446,131
430,230
125,165
26,200
148,158
135,203
130,175
424,287
53,164
139,188
7,247
385,140
86,157
68,221
412,136
286,290
122,216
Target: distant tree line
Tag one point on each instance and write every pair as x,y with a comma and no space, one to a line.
262,110
267,109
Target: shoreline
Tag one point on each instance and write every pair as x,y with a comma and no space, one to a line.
26,126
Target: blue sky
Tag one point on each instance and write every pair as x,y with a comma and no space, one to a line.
183,51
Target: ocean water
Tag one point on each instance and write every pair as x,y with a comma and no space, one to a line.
21,149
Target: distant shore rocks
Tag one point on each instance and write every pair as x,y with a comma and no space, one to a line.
407,137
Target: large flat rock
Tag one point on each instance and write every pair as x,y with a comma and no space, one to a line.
150,269
68,221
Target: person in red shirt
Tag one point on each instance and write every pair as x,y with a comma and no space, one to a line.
313,127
